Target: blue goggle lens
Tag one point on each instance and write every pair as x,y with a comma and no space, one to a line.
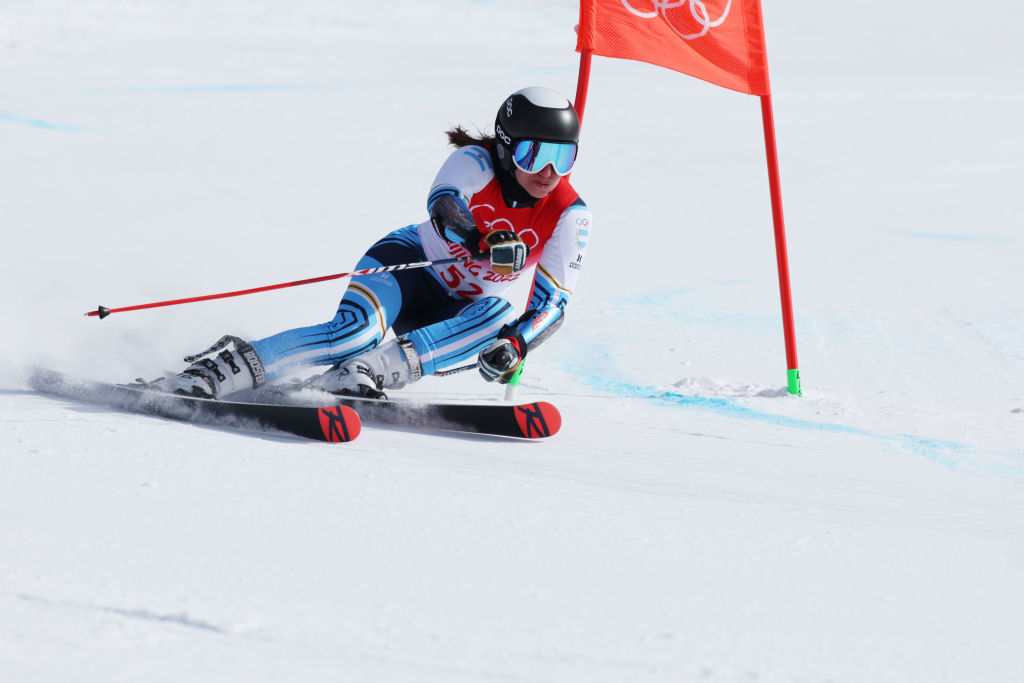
532,156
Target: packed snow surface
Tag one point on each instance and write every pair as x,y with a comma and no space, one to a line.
691,522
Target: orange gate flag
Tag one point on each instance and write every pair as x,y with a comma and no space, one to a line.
719,41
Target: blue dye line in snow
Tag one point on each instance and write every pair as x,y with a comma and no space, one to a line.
43,124
209,88
952,238
38,123
952,454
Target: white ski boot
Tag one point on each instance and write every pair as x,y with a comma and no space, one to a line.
228,366
391,365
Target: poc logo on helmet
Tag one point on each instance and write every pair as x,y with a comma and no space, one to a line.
501,134
508,107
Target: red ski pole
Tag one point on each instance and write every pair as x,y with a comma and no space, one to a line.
103,311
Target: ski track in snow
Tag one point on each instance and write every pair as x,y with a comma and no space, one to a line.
144,615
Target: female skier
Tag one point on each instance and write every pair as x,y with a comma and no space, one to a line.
502,201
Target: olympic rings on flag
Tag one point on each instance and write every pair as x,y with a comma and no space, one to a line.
698,9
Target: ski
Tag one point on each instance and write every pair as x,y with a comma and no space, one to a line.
331,423
313,415
537,420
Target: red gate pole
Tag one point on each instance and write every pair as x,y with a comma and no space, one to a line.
775,187
583,82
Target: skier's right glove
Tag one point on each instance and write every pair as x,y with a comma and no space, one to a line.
454,223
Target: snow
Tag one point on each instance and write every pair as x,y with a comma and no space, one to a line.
691,521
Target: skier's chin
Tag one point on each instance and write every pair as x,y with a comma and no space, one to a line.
538,189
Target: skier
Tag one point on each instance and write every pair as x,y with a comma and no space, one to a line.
504,202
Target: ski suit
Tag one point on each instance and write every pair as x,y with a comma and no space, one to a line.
449,312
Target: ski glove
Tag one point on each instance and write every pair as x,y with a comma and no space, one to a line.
500,359
454,223
508,252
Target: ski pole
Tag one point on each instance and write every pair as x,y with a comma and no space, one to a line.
512,388
103,311
455,371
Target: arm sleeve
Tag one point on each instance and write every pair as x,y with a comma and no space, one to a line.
463,174
557,274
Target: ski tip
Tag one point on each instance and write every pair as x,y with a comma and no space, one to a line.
538,420
339,423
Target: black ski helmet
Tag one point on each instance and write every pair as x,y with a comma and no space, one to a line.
534,114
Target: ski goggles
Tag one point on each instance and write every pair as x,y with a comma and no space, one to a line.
531,156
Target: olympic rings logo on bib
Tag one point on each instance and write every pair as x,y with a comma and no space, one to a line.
527,235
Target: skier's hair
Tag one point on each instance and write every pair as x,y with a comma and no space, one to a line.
460,137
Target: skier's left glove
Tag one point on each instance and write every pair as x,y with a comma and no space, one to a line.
500,359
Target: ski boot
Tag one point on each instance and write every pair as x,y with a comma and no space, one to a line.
228,366
391,365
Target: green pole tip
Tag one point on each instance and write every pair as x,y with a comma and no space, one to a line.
793,379
512,388
515,378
